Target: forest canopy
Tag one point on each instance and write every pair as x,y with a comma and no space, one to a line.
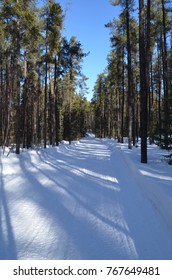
43,90
133,96
42,87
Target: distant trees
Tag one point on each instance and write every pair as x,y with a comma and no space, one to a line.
137,80
72,57
39,77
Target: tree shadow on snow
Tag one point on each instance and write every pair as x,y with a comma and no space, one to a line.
78,209
73,210
7,240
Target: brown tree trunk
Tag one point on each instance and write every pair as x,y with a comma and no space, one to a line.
143,48
130,97
18,90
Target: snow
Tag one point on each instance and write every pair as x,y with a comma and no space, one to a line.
89,200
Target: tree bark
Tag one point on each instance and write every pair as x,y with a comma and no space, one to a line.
143,88
130,118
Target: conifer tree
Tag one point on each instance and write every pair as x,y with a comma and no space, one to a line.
53,23
71,57
127,5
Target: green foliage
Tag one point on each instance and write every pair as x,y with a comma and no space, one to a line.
157,44
40,74
53,17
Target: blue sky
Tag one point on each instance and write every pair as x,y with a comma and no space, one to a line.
85,19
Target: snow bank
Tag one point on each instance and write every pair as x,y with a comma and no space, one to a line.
153,191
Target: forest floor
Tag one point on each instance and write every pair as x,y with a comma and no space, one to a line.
89,200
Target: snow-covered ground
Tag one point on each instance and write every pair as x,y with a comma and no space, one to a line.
89,200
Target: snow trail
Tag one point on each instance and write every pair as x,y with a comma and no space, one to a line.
78,201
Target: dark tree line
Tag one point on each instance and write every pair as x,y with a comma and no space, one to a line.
133,97
41,97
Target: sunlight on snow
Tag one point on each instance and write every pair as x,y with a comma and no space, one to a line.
101,176
83,171
7,170
146,173
66,203
87,149
30,222
114,232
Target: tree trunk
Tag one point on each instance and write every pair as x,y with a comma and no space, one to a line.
45,102
123,97
165,80
143,88
18,90
56,105
130,118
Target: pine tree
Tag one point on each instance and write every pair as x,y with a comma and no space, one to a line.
53,23
36,66
71,57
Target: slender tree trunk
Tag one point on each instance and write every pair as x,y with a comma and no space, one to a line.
70,117
148,59
24,104
6,105
165,80
118,115
1,97
70,106
130,118
137,116
45,102
143,88
56,105
109,115
18,90
38,122
123,98
151,101
50,113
